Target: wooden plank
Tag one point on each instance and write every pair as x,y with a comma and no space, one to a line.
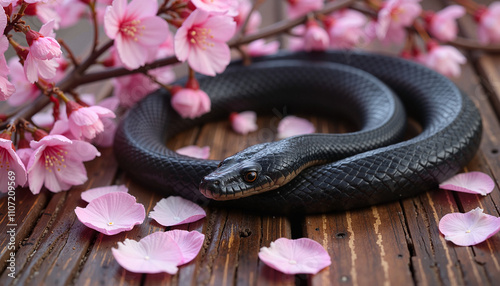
27,210
58,236
100,267
231,256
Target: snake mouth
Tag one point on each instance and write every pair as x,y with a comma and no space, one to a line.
215,190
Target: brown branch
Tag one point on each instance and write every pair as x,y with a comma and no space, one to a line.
93,13
71,56
469,44
255,6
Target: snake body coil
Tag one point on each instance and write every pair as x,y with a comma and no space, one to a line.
384,170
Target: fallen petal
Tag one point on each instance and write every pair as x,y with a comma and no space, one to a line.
296,256
94,193
470,228
244,122
189,242
176,210
293,125
112,213
195,151
155,253
472,182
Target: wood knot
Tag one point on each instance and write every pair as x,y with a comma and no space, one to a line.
245,232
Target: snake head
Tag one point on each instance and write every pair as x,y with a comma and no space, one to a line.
239,176
234,180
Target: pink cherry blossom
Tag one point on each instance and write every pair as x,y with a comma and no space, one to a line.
243,9
43,47
25,155
155,253
46,11
293,125
443,24
190,102
296,42
195,151
394,16
4,44
201,40
290,256
244,122
488,23
86,122
345,28
57,163
94,193
70,12
131,89
214,6
136,29
189,242
10,162
6,88
444,59
298,8
472,182
259,48
34,67
176,210
25,90
45,68
466,229
112,213
315,37
106,138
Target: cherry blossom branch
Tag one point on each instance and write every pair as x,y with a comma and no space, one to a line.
266,32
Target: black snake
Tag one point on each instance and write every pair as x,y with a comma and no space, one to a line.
358,169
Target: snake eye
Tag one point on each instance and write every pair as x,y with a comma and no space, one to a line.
250,176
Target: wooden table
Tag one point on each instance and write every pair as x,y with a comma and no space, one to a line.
391,244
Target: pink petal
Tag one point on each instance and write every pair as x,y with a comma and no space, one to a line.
112,19
155,253
195,151
209,61
112,213
223,27
138,9
154,32
244,122
470,228
293,125
131,52
190,243
95,193
259,48
176,210
472,183
452,12
295,256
